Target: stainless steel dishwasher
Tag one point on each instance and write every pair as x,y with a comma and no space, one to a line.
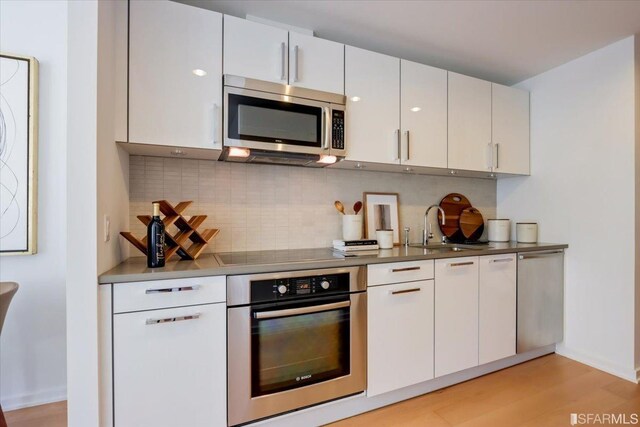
540,299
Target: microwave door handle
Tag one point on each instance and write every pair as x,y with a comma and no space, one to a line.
327,127
302,310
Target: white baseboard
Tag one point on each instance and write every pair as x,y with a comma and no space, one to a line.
632,375
40,398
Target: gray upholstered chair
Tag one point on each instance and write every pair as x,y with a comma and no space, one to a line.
7,291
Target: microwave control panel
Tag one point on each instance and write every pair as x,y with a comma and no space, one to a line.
337,140
299,287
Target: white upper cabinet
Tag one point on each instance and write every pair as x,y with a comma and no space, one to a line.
263,52
255,50
316,63
469,123
372,87
497,307
510,117
175,74
423,115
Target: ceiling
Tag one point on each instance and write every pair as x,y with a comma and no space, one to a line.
501,41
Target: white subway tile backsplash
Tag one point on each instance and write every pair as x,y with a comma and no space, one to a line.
261,207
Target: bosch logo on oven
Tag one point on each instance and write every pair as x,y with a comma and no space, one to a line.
304,377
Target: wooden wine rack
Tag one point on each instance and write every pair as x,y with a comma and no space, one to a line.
187,242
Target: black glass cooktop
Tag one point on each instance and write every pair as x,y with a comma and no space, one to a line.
277,257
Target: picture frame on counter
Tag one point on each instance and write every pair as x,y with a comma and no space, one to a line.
381,212
18,154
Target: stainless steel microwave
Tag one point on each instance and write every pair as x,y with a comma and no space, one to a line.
268,122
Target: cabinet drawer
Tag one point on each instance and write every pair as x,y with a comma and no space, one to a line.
397,272
136,296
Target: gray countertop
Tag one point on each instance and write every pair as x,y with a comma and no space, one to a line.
135,269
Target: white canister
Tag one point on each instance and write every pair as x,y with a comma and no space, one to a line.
352,227
499,230
385,239
527,232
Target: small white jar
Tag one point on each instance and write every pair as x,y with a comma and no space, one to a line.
385,239
527,232
499,230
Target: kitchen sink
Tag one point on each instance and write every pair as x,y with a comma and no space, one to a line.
453,247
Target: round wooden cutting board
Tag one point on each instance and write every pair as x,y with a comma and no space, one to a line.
452,204
471,224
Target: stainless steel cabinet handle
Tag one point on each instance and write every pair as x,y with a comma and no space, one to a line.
302,310
539,255
215,124
497,154
406,291
176,289
399,270
283,64
408,153
173,319
502,260
397,136
460,264
295,63
489,156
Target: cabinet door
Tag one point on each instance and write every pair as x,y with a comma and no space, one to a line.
400,338
423,115
255,50
316,63
497,307
469,123
372,86
171,100
172,373
510,120
456,318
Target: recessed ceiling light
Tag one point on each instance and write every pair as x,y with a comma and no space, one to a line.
200,73
355,98
416,109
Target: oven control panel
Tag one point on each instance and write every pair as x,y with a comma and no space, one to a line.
299,287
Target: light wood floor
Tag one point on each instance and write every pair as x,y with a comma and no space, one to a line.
51,415
539,393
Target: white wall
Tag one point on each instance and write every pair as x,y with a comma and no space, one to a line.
97,185
637,159
581,191
82,290
32,346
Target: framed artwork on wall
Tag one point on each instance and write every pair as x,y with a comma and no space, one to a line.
18,154
381,213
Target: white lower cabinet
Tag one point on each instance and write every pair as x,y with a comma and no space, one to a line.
497,307
169,367
400,337
456,314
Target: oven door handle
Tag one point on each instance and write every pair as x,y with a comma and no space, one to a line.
302,310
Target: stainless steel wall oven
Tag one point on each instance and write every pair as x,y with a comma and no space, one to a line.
295,339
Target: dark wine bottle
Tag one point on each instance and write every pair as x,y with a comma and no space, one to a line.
155,239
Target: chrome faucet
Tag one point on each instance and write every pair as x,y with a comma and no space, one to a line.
429,235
